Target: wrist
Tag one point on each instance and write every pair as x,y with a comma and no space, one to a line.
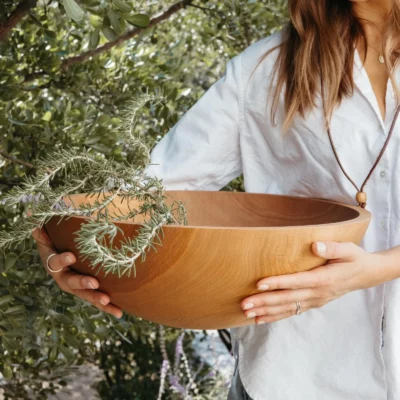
389,262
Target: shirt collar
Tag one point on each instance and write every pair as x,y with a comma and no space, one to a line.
363,83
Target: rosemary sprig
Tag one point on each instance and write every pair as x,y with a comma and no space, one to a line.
84,171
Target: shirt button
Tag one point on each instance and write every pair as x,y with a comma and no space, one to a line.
383,174
383,223
394,95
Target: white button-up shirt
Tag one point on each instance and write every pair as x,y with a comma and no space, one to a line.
339,351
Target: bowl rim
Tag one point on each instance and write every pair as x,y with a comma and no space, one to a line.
363,214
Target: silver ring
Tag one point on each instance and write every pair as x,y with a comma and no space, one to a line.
298,306
48,266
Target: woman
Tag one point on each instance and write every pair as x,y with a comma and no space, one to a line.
333,65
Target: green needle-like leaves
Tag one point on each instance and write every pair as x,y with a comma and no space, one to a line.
107,180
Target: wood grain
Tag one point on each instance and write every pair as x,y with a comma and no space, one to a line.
197,279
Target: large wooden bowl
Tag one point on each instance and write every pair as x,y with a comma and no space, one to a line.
201,273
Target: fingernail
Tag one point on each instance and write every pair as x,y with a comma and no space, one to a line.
248,306
69,260
104,303
321,248
89,285
263,287
251,315
261,322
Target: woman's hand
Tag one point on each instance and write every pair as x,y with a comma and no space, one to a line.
349,268
71,282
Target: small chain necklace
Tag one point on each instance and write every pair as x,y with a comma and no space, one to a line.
381,57
361,196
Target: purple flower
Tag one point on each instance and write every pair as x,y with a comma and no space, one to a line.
164,368
174,382
30,198
37,198
179,349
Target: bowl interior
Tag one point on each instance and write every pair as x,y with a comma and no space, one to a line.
243,210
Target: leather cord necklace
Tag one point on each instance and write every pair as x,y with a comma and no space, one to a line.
361,196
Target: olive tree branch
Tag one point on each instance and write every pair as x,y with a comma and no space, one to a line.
123,38
15,159
205,9
20,12
129,35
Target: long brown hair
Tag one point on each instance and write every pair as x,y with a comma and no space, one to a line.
317,55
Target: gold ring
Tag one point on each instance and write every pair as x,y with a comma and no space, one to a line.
48,266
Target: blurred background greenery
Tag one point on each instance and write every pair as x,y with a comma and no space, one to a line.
67,70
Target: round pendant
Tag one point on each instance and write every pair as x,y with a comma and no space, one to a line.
381,59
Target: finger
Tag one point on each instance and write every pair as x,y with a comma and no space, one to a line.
97,300
274,318
76,281
278,310
113,310
276,298
100,300
60,261
42,237
299,280
336,251
94,297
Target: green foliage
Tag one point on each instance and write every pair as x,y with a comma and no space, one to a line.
42,330
48,106
107,181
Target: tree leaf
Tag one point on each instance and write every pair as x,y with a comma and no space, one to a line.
64,319
122,5
6,299
115,22
15,310
109,33
68,354
47,116
28,115
102,330
4,280
11,259
7,372
10,344
72,340
24,299
88,325
53,354
101,148
96,21
13,333
15,122
50,33
94,39
92,140
103,118
73,10
139,20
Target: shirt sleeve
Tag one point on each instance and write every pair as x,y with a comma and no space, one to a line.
202,151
